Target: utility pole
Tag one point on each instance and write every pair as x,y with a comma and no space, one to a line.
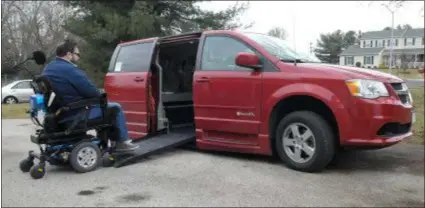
392,41
392,36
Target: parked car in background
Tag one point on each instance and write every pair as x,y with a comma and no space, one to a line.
17,92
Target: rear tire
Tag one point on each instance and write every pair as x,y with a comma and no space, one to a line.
108,160
310,153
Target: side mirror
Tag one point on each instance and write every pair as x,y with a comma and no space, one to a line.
248,60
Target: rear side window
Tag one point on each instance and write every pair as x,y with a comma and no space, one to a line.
133,58
22,85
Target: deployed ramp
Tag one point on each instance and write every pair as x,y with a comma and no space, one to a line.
154,144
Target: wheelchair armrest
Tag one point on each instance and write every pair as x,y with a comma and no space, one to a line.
102,101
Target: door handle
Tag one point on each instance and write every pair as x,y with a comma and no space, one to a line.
203,79
139,79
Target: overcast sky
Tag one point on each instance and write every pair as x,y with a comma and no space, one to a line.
312,18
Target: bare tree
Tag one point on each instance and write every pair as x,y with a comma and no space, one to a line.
278,32
28,26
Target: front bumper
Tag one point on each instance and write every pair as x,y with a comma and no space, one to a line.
379,122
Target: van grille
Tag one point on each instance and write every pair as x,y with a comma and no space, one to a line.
402,92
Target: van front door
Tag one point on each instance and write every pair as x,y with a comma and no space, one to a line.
126,83
227,98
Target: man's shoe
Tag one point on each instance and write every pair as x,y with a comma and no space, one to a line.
126,146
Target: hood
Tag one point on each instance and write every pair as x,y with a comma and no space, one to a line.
354,72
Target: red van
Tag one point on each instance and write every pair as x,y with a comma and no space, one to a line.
251,93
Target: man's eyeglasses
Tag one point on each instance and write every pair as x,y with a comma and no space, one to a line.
77,54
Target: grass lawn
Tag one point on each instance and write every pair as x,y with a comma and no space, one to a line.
19,111
14,111
409,74
418,127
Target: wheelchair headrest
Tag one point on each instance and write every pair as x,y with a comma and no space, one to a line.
42,85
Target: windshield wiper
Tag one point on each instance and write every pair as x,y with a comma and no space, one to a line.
295,61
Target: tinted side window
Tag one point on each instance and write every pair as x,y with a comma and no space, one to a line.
219,53
22,85
134,58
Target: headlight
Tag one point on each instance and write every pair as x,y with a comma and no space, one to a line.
367,88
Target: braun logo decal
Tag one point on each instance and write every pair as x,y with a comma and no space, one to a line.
245,114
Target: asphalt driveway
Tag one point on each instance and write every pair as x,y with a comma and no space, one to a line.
388,177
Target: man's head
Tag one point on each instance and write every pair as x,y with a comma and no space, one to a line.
68,51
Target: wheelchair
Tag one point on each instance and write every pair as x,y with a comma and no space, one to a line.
67,143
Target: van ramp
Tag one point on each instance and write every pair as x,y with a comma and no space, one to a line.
148,146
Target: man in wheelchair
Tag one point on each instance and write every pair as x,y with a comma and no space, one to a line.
72,85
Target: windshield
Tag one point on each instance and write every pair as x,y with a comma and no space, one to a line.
275,46
309,58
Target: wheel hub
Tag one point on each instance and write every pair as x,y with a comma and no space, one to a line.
298,142
87,157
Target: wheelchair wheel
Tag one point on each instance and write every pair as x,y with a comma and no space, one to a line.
25,165
108,160
38,171
85,157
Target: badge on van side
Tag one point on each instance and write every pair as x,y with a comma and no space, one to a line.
238,113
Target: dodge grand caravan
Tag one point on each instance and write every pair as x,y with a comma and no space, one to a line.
251,93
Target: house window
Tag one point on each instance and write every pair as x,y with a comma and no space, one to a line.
367,60
364,44
383,43
368,44
396,42
376,43
371,43
349,60
408,41
413,41
405,41
388,42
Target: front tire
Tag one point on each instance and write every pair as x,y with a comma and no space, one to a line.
304,141
10,100
38,171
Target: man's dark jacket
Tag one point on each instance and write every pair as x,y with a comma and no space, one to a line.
70,82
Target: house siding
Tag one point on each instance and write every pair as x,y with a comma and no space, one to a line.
376,43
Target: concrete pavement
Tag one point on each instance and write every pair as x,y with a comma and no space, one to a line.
388,177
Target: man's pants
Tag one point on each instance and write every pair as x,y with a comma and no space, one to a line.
115,108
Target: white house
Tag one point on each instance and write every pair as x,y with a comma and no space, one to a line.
374,49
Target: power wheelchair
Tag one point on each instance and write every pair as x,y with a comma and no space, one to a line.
67,143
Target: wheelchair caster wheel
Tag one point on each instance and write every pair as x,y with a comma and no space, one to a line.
108,160
85,157
25,165
38,171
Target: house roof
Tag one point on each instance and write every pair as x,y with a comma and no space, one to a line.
356,50
416,32
405,51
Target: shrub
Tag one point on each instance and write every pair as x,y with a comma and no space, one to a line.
358,64
382,66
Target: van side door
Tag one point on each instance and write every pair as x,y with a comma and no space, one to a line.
227,97
126,83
